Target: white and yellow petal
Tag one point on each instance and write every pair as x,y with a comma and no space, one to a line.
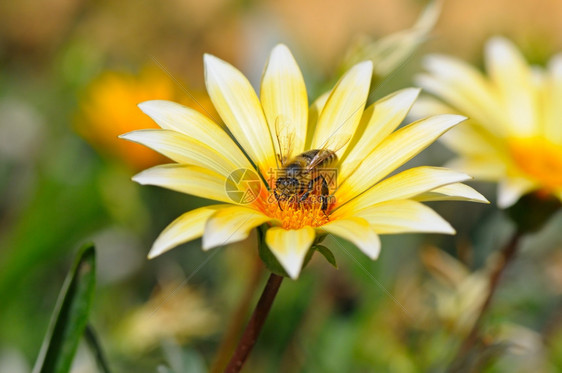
465,88
358,232
394,151
452,192
514,82
187,227
188,122
404,216
183,149
405,185
313,115
341,114
231,224
240,109
377,122
290,247
193,180
552,99
511,189
284,100
485,167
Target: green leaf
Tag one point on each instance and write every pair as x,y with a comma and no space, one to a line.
308,257
95,347
70,316
327,253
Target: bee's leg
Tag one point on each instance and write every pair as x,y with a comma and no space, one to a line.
325,190
278,198
295,199
308,190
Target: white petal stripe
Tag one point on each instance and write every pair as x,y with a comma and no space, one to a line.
404,216
240,109
284,98
357,231
290,247
231,224
187,227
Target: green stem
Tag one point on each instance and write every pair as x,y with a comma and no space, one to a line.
255,324
95,347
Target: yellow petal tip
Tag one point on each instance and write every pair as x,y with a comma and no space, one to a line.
365,67
153,253
138,178
146,105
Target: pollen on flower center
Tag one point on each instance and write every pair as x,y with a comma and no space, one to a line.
293,215
540,159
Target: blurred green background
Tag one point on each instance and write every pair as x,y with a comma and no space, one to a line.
71,73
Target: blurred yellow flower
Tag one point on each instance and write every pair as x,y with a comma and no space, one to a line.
514,135
363,204
108,109
174,311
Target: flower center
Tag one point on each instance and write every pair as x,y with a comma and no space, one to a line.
540,159
294,215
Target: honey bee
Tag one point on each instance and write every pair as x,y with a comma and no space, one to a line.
305,173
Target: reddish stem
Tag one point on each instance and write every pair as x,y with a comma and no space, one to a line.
255,324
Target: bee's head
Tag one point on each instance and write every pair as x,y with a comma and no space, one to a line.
287,184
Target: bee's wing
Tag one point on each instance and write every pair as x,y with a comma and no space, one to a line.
285,139
334,144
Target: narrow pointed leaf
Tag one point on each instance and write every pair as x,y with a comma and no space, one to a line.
328,254
70,316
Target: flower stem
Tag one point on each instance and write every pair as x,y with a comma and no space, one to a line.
507,254
255,324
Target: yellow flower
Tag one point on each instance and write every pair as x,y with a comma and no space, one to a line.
108,109
365,203
514,135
